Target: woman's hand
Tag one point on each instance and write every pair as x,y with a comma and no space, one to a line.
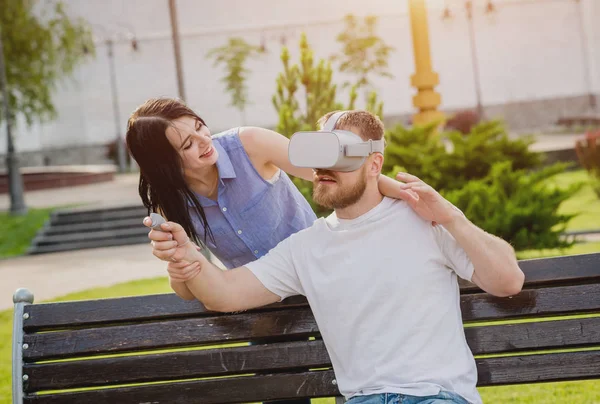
426,201
171,243
183,271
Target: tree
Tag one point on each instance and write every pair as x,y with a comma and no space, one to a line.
305,92
41,47
300,110
364,53
234,57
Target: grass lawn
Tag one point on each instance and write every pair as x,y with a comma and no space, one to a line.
20,230
580,248
585,202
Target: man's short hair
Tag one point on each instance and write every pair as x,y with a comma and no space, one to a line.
368,124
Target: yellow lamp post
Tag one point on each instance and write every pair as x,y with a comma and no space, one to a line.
424,79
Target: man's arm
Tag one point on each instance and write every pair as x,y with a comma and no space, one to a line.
227,291
233,290
496,267
181,289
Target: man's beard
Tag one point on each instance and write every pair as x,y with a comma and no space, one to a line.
342,196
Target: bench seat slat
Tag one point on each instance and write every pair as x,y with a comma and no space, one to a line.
556,271
492,371
289,355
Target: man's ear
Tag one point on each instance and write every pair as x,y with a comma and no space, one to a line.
376,164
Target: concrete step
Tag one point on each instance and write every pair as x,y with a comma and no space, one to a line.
114,224
77,211
99,227
98,216
139,231
80,245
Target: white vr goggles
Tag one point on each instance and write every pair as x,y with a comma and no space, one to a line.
332,149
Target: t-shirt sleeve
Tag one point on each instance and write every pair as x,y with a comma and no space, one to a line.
455,255
276,270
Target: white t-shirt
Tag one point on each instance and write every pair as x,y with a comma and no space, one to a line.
383,289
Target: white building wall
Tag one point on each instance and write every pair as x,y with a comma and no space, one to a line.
527,50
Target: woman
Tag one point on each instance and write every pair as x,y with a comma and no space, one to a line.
227,191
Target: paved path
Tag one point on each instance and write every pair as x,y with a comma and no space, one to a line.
53,275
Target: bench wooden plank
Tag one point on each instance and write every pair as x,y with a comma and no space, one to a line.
556,271
177,365
539,368
233,390
561,300
290,355
567,270
291,323
297,322
509,338
492,371
64,315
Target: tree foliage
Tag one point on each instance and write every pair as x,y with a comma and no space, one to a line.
234,57
42,45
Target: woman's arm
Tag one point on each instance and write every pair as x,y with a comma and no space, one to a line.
266,147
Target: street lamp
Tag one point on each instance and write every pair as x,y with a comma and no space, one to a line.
15,181
474,60
121,153
425,79
176,48
109,41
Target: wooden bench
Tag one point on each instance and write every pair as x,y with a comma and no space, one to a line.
136,328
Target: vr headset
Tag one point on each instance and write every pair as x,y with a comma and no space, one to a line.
331,149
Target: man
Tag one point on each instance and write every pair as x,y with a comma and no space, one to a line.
380,276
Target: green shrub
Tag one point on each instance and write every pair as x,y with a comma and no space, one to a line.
450,160
517,206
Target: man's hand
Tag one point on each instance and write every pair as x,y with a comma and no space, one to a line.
426,201
172,243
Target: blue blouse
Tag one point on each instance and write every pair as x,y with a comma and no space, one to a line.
251,215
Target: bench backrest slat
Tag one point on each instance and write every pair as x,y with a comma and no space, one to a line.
507,338
567,270
492,371
233,390
292,323
559,271
289,322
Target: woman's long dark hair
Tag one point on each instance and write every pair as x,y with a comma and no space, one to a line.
162,186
